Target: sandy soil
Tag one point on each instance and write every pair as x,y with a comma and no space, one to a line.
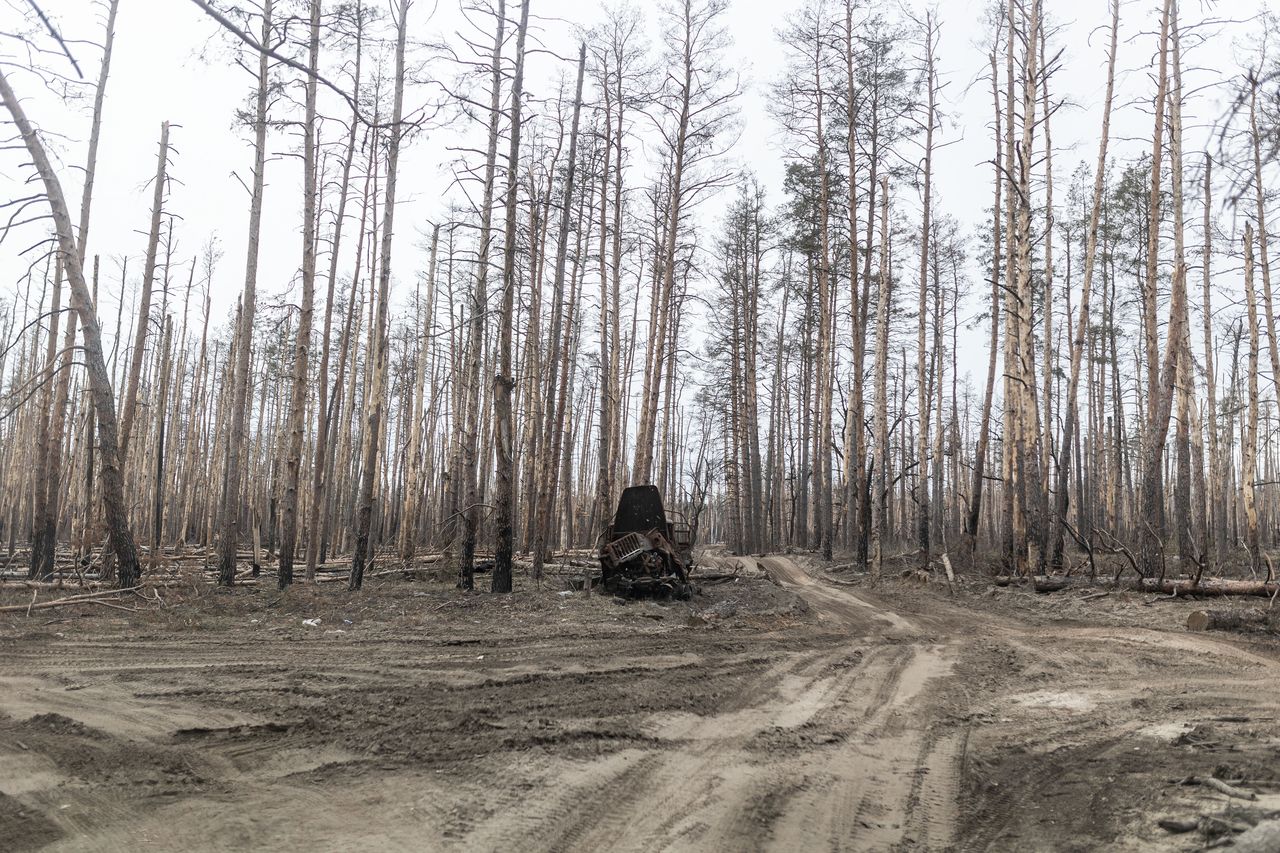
797,711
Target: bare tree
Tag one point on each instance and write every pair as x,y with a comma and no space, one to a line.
1071,415
120,536
231,509
302,348
503,382
470,510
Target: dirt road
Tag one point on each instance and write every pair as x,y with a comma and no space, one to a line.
831,747
875,721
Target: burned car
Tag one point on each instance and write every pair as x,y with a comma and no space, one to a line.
646,550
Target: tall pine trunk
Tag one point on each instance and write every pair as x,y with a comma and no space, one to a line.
302,346
114,507
470,509
379,335
231,510
1071,415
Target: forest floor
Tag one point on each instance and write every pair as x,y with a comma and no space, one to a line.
788,709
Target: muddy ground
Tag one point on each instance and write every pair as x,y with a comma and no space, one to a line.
788,710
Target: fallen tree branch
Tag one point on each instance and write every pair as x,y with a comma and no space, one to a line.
1223,788
1083,543
1207,588
105,603
1169,587
1118,547
86,598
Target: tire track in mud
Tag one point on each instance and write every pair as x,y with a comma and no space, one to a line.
894,783
889,784
840,750
643,799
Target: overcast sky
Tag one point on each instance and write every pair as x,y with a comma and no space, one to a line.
171,63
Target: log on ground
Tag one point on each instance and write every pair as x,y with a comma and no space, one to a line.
1253,618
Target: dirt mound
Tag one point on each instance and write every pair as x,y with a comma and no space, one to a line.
59,726
84,754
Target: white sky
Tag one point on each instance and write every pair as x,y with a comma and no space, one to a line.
161,72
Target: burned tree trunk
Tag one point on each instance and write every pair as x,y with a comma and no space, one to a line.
1249,447
503,381
973,514
1072,416
42,543
470,509
881,460
121,538
413,485
553,406
379,337
302,348
144,305
230,535
1152,493
926,235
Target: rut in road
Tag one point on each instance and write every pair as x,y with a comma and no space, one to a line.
840,750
